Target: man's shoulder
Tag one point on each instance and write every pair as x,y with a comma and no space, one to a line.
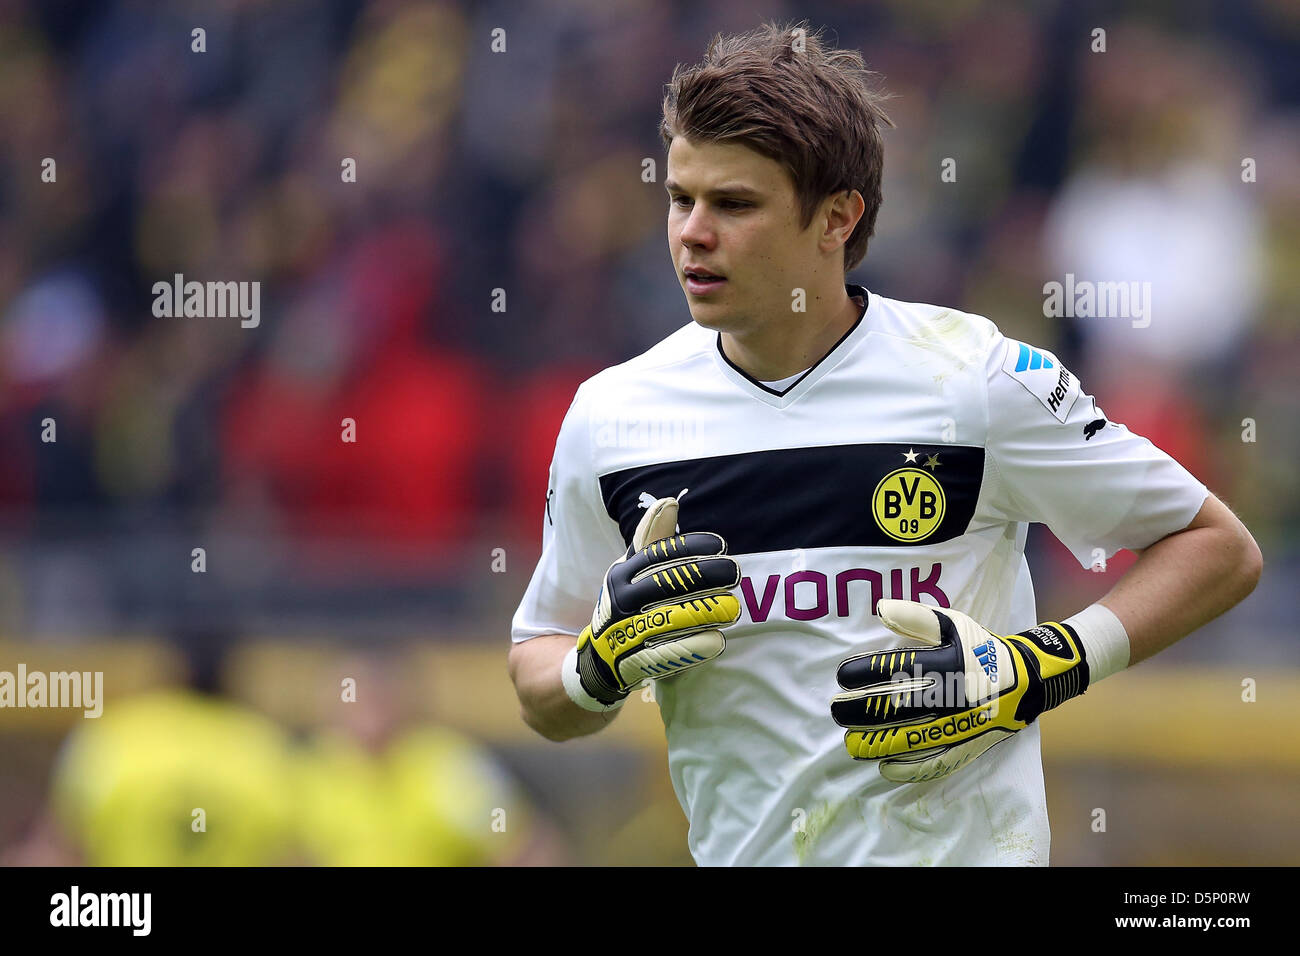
688,344
965,336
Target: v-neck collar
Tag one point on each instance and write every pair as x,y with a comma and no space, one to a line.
779,399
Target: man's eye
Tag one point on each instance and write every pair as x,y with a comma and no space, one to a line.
724,204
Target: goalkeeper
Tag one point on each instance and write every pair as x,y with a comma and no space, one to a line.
849,505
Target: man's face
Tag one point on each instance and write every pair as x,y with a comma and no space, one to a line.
733,212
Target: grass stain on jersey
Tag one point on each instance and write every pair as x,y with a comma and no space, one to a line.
951,338
1017,844
814,825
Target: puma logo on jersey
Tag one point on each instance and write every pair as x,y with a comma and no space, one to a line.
1092,428
645,500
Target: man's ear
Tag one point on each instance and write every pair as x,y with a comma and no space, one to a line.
843,213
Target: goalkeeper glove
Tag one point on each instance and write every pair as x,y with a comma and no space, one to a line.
660,608
961,691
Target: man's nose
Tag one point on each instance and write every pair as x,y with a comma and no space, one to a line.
697,230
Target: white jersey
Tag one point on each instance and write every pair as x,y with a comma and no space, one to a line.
905,464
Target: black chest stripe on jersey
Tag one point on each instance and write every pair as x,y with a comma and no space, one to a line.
886,495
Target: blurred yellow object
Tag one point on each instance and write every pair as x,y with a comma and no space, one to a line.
175,778
432,797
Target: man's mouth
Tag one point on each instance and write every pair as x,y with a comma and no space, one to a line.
700,281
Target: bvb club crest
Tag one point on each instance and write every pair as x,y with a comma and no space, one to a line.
908,504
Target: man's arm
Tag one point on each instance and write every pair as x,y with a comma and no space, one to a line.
1098,487
1185,580
660,611
544,704
1179,583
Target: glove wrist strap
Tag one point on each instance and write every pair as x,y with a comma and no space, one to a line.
577,693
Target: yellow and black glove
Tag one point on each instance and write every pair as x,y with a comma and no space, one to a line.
660,609
927,709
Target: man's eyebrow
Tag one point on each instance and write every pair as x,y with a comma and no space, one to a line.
725,189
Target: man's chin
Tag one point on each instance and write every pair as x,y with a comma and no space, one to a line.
710,316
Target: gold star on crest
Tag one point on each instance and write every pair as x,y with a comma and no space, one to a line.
932,462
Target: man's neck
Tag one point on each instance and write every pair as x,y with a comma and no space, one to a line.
779,350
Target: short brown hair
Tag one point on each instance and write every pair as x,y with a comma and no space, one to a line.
782,93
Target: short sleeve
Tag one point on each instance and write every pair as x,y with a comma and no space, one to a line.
579,539
1054,457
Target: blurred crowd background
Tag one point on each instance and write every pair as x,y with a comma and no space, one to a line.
397,560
